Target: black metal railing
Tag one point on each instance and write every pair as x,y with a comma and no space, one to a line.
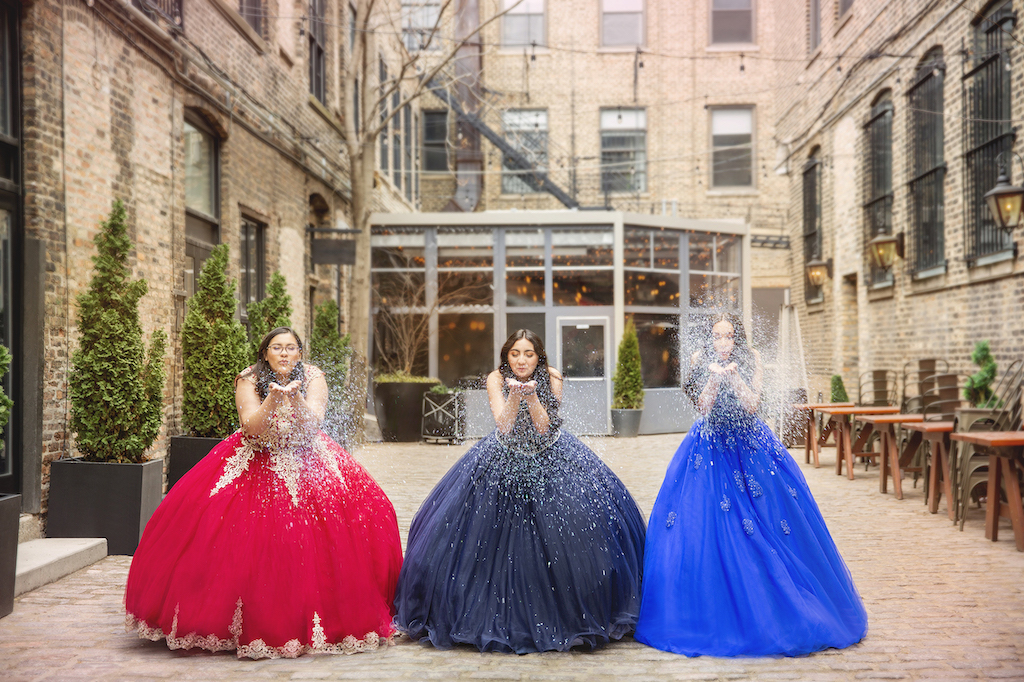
171,10
812,223
878,207
926,243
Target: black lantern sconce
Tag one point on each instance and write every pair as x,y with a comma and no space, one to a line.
818,271
884,248
1004,200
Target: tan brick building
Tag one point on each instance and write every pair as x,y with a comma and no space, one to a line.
890,116
215,122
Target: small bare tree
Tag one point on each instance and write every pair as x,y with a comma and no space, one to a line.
378,29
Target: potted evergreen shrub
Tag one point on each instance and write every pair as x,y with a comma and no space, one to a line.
10,509
444,415
398,399
330,351
628,390
214,350
838,393
116,391
270,313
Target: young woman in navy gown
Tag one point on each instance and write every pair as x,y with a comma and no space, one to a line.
529,543
738,559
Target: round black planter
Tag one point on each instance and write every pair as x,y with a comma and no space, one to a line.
10,514
626,423
399,407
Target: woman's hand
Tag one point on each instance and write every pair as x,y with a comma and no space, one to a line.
521,389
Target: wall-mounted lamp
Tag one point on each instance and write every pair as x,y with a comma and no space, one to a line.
819,270
1004,200
884,248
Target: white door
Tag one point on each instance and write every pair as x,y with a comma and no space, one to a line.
585,365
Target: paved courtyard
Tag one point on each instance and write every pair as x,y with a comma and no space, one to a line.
942,605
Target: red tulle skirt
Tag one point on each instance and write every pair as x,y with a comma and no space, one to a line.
269,553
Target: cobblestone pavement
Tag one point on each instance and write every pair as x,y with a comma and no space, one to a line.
941,604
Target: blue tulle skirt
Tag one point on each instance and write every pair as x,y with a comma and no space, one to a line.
523,552
738,559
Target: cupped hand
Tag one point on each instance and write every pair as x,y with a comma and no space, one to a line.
716,368
519,388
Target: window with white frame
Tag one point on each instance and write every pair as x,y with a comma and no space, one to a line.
733,149
419,21
527,131
814,23
623,150
622,23
732,21
523,26
317,50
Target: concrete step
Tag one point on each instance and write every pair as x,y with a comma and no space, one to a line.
43,561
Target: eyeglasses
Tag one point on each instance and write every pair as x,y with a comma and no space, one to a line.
277,348
718,337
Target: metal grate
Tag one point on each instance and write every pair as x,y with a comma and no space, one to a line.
878,207
926,247
812,222
987,131
171,10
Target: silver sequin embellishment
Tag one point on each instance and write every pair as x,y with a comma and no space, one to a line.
670,520
739,479
785,527
748,526
755,487
725,504
697,461
792,491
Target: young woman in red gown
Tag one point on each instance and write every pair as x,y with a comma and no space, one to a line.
277,543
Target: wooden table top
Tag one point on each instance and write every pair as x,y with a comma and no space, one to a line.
890,418
931,427
862,409
995,439
819,406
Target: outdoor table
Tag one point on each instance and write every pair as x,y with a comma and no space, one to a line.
937,433
1004,450
812,443
892,460
842,425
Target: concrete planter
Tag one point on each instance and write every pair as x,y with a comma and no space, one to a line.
626,423
10,513
103,500
399,406
185,452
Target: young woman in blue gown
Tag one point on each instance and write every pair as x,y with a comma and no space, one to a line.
529,543
738,559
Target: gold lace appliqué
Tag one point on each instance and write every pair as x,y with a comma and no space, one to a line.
235,465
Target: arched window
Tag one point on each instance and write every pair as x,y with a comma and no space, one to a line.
878,204
927,165
812,219
202,195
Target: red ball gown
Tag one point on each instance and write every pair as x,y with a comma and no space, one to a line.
271,546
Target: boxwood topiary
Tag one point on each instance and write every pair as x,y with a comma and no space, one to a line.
628,392
272,312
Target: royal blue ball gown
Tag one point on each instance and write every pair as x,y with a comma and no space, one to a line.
738,559
529,543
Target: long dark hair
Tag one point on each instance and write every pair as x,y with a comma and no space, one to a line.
265,375
540,374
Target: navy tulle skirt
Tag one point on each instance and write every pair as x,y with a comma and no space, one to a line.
523,552
738,559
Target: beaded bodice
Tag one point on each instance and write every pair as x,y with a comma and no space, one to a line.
524,438
727,409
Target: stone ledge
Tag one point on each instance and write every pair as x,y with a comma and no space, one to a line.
43,561
30,527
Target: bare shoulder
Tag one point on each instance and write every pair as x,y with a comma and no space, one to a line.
494,377
694,358
555,374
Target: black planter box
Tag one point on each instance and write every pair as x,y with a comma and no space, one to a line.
185,453
10,513
398,406
444,417
103,500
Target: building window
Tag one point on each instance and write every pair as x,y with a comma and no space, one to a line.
582,267
715,266
878,204
408,144
252,268
732,144
623,150
252,12
732,21
317,50
351,28
202,200
524,268
814,23
812,222
435,141
523,25
383,77
844,6
622,23
928,164
419,23
658,337
987,129
527,131
651,259
396,139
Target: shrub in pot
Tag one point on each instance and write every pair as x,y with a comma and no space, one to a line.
10,509
838,393
398,396
628,382
116,391
214,349
270,313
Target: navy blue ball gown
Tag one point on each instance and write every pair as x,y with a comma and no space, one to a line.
529,543
738,559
